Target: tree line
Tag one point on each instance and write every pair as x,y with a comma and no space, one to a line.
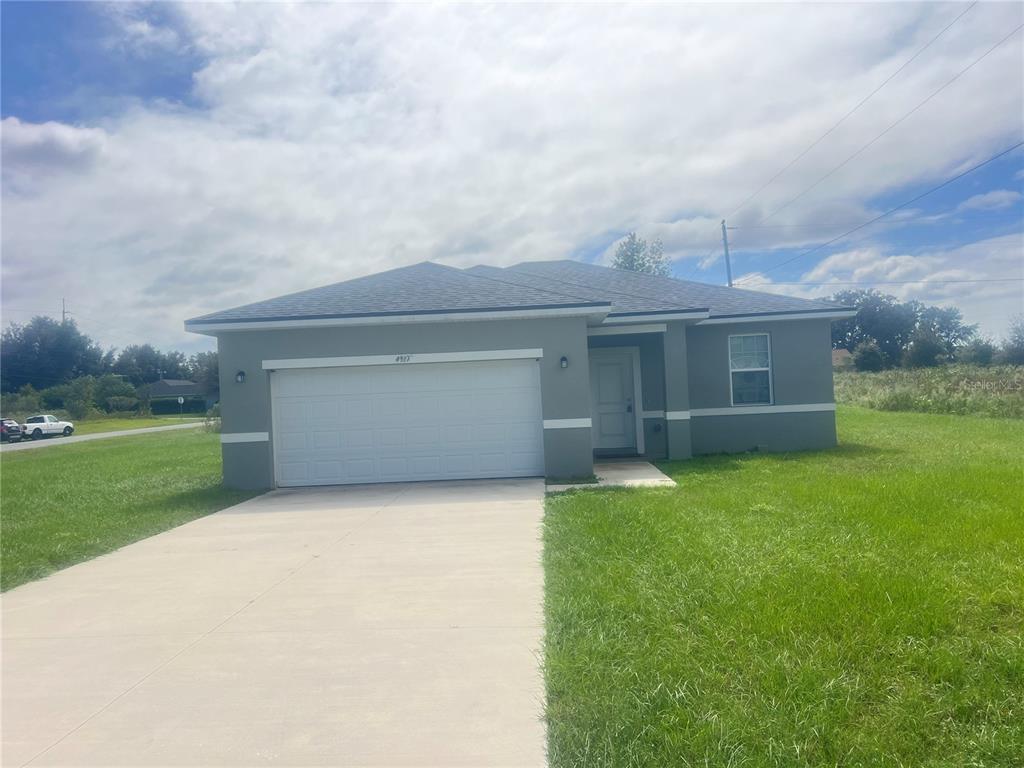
51,364
886,332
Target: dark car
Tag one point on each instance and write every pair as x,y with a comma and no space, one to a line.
10,431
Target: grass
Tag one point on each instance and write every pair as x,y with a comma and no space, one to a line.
60,507
856,607
996,391
94,426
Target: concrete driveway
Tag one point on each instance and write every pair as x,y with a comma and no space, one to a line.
394,625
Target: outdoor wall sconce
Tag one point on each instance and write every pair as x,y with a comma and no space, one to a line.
564,362
240,377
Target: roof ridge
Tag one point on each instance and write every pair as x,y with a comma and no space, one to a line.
676,280
535,288
599,288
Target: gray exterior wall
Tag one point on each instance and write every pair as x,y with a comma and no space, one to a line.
246,407
801,369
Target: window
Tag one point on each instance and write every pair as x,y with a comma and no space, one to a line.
750,361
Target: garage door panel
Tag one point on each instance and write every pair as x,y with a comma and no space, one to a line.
357,439
415,422
391,438
360,470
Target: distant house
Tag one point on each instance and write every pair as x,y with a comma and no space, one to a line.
163,396
842,360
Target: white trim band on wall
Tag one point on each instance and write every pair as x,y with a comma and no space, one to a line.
615,330
652,414
566,423
245,437
677,415
404,359
752,410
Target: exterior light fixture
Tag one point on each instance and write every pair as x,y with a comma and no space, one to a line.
240,377
564,362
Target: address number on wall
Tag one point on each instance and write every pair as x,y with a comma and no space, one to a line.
403,358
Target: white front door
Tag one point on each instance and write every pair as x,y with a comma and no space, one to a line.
612,399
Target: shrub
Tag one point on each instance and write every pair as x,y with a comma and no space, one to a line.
21,404
996,391
80,397
1012,350
109,387
868,357
120,403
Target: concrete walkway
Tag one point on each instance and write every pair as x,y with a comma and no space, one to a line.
28,444
621,473
388,625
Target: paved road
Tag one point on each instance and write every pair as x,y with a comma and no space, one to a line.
26,445
387,625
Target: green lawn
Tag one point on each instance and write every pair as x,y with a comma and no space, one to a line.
60,507
856,607
93,426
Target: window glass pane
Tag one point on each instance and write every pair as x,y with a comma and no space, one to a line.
748,351
751,387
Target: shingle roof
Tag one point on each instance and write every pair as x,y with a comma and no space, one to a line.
719,300
429,288
420,289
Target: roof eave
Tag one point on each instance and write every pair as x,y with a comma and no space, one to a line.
838,313
595,312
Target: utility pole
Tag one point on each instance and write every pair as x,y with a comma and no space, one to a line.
63,312
725,247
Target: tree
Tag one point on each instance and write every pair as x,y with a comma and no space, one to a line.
111,387
80,398
203,369
45,352
892,323
925,350
880,318
977,352
637,255
1012,350
173,365
868,357
140,364
946,325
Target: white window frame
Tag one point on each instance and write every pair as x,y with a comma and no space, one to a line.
771,385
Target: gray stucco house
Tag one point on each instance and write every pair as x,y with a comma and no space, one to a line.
432,372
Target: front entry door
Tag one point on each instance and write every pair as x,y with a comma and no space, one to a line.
612,400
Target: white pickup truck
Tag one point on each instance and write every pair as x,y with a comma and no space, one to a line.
45,426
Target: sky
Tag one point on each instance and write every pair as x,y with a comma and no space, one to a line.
162,161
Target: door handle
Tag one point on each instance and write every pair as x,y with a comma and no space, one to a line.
629,408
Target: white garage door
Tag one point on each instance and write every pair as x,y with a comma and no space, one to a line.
422,421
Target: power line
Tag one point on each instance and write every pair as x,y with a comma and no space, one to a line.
897,208
859,104
897,282
907,220
920,104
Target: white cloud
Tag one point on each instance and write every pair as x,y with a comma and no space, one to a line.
995,200
35,147
996,263
340,140
139,34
